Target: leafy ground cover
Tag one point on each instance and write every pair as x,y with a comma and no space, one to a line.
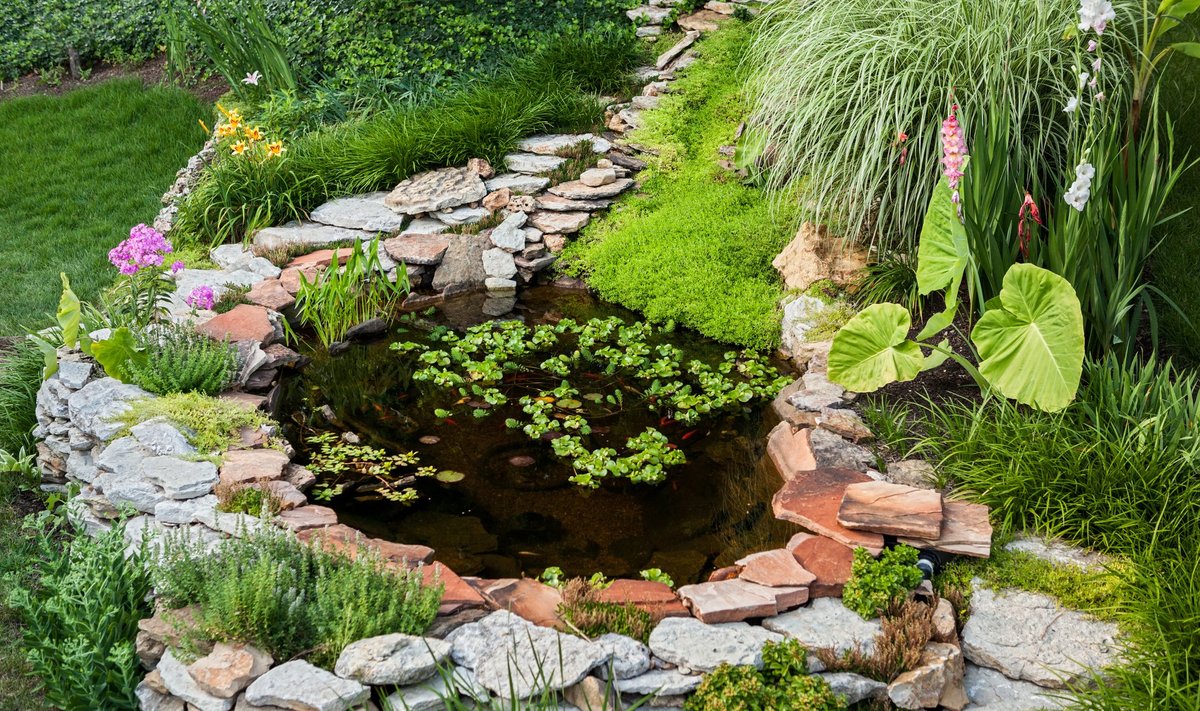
77,171
18,691
695,245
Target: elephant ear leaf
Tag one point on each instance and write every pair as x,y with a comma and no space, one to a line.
69,314
116,352
1030,343
873,349
943,251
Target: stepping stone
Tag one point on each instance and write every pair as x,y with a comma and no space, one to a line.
666,58
966,530
517,183
417,248
827,623
812,499
576,190
688,642
245,466
360,212
789,450
300,685
736,600
244,322
892,509
562,223
551,144
436,190
777,568
554,203
305,233
306,517
1029,636
532,163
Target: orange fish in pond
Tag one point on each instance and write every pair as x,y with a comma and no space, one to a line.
691,434
665,422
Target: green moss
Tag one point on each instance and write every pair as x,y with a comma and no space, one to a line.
694,245
211,424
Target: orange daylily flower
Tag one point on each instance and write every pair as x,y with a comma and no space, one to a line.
275,149
254,134
224,131
239,147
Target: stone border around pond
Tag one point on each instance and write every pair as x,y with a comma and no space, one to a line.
1014,651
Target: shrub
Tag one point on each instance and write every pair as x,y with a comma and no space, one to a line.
877,586
80,619
179,360
784,683
582,610
20,378
288,598
210,424
837,83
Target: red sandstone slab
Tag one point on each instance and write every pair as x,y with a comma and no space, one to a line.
737,600
307,517
321,258
288,496
270,294
244,322
812,499
248,466
775,569
789,450
344,539
656,598
422,249
966,530
458,593
826,559
892,509
291,277
529,599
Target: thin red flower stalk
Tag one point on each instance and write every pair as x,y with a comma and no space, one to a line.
1029,209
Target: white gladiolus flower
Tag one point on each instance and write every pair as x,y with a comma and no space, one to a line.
1095,15
1081,190
1072,104
1083,79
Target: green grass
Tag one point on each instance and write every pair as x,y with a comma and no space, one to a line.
77,172
695,245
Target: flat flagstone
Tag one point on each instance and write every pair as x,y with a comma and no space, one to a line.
457,592
551,144
464,215
307,517
812,499
736,600
517,183
892,509
576,190
244,466
656,598
341,538
270,294
701,647
305,233
666,58
243,322
359,212
775,568
531,600
562,223
827,623
436,190
556,203
417,248
532,162
966,530
787,446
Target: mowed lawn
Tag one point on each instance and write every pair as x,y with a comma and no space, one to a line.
76,172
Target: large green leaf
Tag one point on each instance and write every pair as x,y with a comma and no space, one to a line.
873,349
1030,341
115,353
69,313
943,252
1176,11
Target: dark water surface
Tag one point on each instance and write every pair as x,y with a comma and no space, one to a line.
515,512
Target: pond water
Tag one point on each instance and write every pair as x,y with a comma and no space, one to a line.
514,512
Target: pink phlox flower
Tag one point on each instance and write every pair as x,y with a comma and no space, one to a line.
177,266
144,248
202,297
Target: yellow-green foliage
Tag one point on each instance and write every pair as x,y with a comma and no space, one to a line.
695,244
210,424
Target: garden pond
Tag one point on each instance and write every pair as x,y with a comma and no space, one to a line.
502,503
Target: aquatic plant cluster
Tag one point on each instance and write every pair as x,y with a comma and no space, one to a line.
624,368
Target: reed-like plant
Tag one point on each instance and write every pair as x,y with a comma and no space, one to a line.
341,298
850,95
236,38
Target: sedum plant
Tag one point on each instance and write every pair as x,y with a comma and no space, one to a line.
877,586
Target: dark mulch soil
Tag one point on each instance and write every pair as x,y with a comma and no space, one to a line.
152,72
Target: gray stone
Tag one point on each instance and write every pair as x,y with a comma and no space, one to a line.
162,437
1029,636
576,190
500,287
627,656
827,623
688,642
560,223
496,306
669,57
660,682
181,479
832,452
854,687
462,265
548,145
81,467
151,700
508,235
436,190
129,491
310,234
73,373
499,263
182,513
532,163
95,407
52,396
912,472
1057,552
399,659
554,203
460,216
360,212
801,316
990,690
300,686
595,177
518,183
177,680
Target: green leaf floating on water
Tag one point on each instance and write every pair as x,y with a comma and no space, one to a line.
570,404
1031,342
873,349
449,476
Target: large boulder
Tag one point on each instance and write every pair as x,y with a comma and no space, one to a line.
814,255
398,659
436,190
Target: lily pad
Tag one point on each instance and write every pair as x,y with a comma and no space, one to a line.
449,476
570,404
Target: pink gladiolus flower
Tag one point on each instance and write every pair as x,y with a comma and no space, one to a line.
954,154
202,297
